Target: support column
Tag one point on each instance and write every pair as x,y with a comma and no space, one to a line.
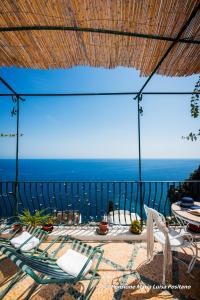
16,111
17,143
139,112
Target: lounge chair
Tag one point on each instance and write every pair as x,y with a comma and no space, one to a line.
46,270
28,241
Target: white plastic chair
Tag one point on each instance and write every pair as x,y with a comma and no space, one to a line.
176,239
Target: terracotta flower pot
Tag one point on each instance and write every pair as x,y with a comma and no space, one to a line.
47,227
17,227
103,226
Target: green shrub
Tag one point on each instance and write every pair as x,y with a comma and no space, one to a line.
36,219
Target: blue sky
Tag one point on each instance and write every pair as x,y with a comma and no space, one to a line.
97,127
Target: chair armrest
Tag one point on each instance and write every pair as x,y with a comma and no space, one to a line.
184,234
90,257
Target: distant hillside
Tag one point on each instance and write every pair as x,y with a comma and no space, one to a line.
186,189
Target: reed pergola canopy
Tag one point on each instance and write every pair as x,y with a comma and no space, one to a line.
65,33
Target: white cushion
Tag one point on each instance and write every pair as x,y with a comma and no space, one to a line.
24,236
72,262
175,242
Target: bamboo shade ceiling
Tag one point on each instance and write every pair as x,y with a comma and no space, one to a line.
64,49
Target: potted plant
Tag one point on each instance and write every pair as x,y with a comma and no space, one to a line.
35,219
136,227
48,223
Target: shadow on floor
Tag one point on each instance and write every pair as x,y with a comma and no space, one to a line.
7,270
151,279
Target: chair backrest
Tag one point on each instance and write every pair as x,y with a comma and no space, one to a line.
156,215
158,218
37,232
32,264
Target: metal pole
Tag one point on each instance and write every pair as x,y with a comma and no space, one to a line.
139,95
184,27
97,94
17,158
97,30
139,98
139,138
16,99
17,143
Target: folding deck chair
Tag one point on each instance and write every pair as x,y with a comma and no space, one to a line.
30,242
85,260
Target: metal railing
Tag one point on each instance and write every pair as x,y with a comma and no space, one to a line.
94,199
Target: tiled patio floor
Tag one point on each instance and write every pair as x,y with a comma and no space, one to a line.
122,266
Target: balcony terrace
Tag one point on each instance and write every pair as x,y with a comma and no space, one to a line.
154,37
125,271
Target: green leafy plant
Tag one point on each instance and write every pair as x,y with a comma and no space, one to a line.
195,111
192,136
136,227
36,219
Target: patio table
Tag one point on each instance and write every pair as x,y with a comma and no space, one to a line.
182,213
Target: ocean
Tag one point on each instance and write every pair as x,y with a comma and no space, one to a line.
89,185
97,169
